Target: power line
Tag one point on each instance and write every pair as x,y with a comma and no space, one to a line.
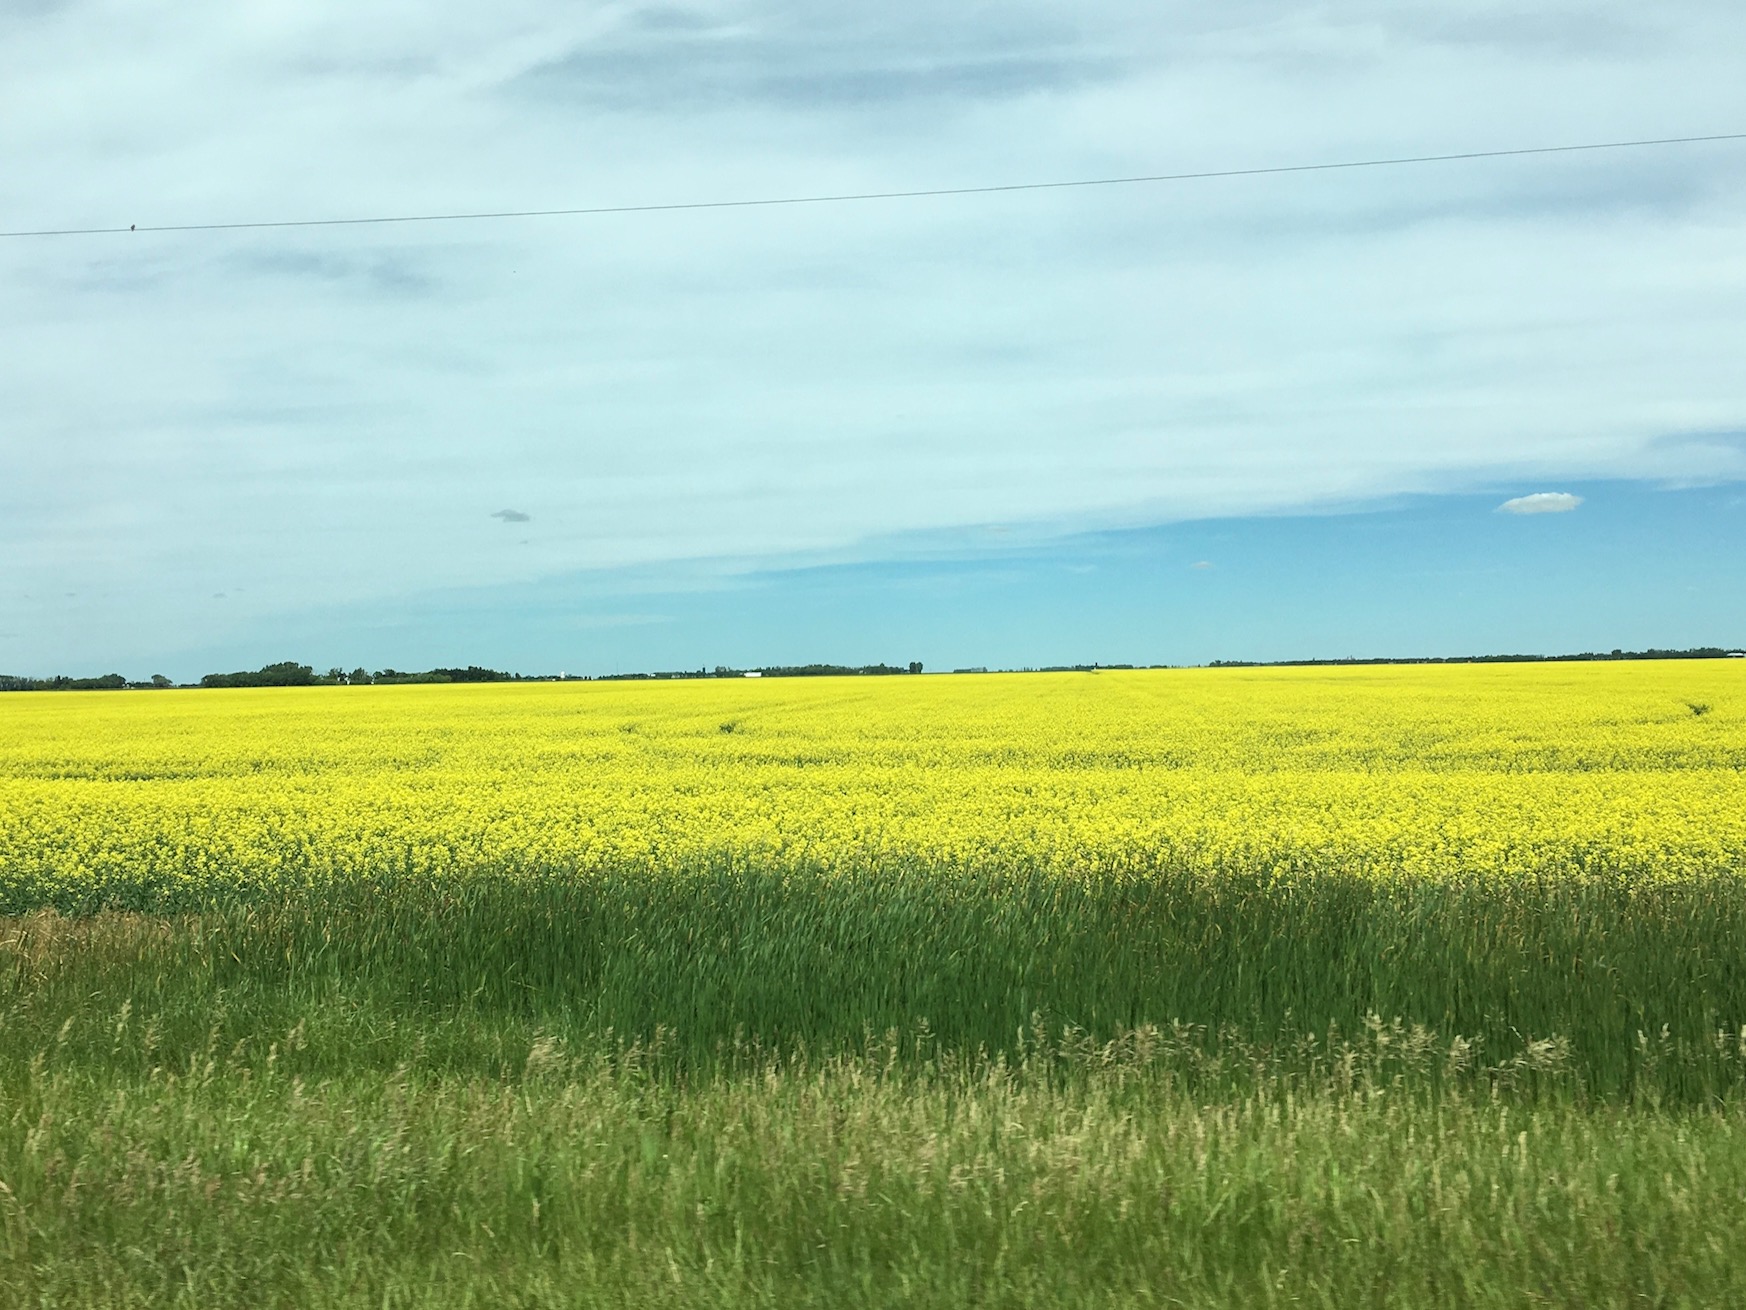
851,197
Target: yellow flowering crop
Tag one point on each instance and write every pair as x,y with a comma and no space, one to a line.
1422,772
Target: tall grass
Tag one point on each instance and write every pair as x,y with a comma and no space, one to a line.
1643,980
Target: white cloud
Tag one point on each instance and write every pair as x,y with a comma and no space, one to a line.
1541,502
332,413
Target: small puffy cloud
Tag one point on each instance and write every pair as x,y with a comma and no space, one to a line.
1201,564
1541,502
512,516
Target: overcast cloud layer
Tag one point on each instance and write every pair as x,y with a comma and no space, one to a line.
296,418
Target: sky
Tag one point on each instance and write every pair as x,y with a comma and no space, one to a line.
1262,417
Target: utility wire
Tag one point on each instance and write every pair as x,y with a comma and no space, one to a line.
851,197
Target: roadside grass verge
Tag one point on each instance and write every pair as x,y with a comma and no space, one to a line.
1081,1173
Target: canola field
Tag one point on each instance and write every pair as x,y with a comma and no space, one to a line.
1507,772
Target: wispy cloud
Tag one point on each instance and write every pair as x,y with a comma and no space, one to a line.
829,58
386,273
1541,502
512,516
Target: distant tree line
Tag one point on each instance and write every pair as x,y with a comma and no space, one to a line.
108,682
1069,668
284,674
291,674
288,673
1694,653
767,671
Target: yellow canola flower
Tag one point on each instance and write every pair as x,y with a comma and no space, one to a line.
1422,772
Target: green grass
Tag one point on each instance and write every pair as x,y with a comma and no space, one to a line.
901,1087
1078,1175
819,960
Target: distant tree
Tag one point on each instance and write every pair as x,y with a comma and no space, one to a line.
472,673
359,677
160,681
286,673
394,677
915,666
108,682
